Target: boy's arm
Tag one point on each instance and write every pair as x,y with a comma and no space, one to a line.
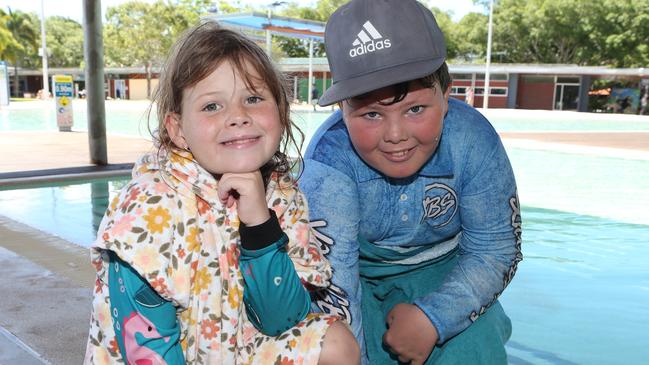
334,214
270,280
490,245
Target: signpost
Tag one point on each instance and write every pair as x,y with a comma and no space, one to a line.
4,84
63,94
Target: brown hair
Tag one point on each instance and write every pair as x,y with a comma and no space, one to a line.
195,55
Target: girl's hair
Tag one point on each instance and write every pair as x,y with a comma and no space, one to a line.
195,55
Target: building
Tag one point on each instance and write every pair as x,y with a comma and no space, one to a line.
515,86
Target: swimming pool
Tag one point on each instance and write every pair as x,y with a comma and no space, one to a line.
581,292
128,117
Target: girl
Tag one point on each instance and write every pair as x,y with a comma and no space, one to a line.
192,233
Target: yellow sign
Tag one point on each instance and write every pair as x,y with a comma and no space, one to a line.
63,93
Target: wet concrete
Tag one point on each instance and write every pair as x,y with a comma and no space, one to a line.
45,297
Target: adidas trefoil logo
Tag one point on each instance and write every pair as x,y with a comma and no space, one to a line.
368,40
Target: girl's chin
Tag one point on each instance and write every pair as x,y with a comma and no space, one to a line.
239,169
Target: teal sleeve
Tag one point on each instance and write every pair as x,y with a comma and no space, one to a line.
145,324
274,296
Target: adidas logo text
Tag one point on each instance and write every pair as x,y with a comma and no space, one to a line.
368,40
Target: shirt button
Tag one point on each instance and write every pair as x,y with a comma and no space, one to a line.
403,197
404,217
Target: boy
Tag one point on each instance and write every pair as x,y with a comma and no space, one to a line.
412,193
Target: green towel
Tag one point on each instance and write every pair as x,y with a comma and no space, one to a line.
385,285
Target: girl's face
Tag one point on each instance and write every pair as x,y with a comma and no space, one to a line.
396,139
227,127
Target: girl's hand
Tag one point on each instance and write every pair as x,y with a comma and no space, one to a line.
248,190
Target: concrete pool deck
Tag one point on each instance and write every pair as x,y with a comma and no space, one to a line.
47,281
31,151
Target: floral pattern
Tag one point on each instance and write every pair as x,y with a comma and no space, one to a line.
170,226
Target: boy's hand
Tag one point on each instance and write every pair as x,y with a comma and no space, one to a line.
411,336
247,189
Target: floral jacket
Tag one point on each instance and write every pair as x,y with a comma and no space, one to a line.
168,224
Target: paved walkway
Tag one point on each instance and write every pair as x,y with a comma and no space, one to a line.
47,282
28,151
631,141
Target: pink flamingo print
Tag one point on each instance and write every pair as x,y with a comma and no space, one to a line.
137,354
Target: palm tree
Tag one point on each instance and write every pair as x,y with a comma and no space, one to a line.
25,37
6,38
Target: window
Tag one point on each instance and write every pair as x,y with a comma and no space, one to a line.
493,91
567,80
458,90
500,91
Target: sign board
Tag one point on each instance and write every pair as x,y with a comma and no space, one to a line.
63,94
4,84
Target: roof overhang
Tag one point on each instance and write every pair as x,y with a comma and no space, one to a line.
278,25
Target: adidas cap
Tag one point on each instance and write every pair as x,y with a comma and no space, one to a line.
372,44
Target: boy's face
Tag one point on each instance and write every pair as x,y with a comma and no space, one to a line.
396,139
227,127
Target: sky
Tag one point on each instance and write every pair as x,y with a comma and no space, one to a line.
73,8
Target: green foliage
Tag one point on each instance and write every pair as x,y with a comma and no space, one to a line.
139,33
447,26
584,32
21,28
64,38
471,37
294,47
7,40
136,33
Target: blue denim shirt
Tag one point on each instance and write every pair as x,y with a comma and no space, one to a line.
464,198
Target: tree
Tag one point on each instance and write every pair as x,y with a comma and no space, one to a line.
470,36
7,41
139,33
583,32
619,37
539,31
21,28
447,27
64,42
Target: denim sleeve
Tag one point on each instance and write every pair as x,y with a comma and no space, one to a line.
490,244
270,284
336,227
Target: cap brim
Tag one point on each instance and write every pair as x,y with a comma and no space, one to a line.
363,84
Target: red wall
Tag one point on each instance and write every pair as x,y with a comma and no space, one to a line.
535,92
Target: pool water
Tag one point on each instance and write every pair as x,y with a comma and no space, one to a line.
129,117
579,297
582,291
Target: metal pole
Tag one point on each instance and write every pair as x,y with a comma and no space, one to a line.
485,100
269,47
295,95
310,70
46,86
94,58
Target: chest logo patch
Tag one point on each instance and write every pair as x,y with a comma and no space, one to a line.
439,203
